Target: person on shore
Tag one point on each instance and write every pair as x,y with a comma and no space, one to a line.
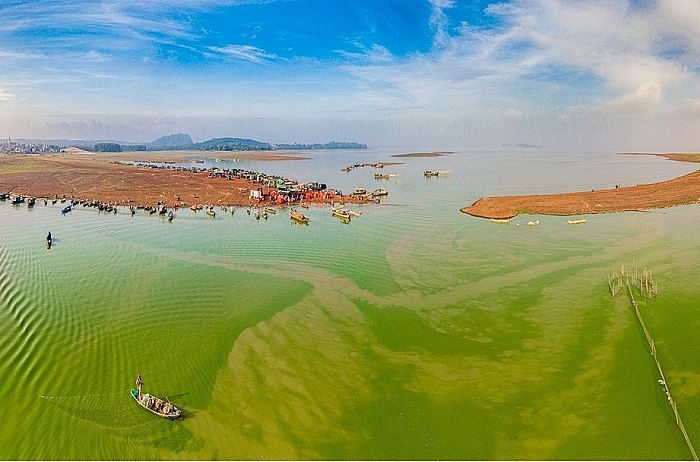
139,383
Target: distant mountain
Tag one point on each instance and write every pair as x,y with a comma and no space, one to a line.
177,141
181,141
231,144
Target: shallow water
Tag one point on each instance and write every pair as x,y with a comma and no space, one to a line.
413,332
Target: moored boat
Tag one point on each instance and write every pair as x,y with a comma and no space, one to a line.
533,223
341,213
67,208
156,405
503,221
577,222
380,192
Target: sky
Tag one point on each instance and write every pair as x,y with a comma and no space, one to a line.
572,75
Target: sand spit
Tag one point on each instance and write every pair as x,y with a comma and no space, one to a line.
107,178
678,191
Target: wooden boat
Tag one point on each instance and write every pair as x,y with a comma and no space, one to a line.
381,176
429,173
304,205
210,211
503,221
380,192
353,213
533,223
341,213
270,210
577,222
157,406
298,217
171,215
359,192
67,208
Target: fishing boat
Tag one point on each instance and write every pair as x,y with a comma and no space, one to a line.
156,405
380,192
67,208
341,213
580,221
210,211
429,173
298,216
359,192
381,176
533,223
270,210
503,221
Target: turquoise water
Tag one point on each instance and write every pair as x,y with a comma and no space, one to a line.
413,332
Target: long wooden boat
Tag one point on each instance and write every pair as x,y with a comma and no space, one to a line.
341,213
577,222
156,405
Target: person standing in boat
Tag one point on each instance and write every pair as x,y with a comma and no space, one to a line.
139,383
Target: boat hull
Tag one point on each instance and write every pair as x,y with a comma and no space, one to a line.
174,414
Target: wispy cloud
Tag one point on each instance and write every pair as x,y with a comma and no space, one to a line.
244,52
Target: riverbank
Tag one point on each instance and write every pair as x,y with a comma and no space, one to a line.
81,175
678,191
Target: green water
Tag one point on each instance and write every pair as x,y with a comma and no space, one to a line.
414,332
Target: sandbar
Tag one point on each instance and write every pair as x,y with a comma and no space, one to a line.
107,178
678,191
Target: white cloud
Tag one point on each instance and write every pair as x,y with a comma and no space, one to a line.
245,52
6,96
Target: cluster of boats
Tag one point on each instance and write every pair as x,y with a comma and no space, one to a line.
505,221
362,193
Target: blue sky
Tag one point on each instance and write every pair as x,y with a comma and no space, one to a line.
437,74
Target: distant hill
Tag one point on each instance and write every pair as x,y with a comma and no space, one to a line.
182,141
231,144
177,141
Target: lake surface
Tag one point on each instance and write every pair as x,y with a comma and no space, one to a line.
413,332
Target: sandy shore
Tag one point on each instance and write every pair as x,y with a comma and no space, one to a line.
678,191
87,176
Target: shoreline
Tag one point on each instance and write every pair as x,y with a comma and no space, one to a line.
682,190
85,176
